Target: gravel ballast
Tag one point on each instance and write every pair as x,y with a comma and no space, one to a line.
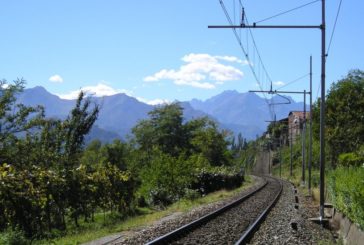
288,223
228,227
169,224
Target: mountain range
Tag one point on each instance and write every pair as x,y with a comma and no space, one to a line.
239,112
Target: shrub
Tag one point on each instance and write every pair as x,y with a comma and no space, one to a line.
191,194
13,237
351,159
346,187
209,180
165,179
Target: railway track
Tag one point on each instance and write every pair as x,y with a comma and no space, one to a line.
232,224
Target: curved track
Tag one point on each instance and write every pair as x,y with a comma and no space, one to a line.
234,223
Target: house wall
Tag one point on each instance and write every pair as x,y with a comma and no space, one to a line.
295,125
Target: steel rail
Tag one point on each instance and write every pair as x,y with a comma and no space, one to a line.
204,219
253,227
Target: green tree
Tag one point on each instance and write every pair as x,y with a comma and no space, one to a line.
116,154
164,129
15,119
166,178
345,114
76,126
169,152
93,155
209,141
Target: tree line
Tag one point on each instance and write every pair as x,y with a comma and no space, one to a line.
49,178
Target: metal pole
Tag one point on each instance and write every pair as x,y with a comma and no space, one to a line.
303,138
276,92
322,107
280,158
290,145
269,158
265,26
322,114
310,144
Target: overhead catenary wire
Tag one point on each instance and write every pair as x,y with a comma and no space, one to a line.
244,50
258,53
333,30
318,90
282,13
234,11
261,63
287,11
295,80
249,31
260,70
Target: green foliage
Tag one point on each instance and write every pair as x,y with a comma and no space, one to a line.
76,126
28,196
13,237
211,143
240,145
169,153
15,119
213,179
191,194
51,183
344,114
165,179
346,187
116,153
245,158
45,175
164,129
351,159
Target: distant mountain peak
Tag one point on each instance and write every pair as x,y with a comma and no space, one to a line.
38,89
230,92
233,110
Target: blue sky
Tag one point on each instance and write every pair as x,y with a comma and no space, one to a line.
163,50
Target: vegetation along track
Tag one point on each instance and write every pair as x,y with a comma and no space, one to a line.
233,223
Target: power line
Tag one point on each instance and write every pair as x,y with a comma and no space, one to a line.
258,53
271,109
322,27
318,90
293,81
243,49
333,30
257,74
287,11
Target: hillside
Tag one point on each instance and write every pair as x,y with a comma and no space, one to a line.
239,112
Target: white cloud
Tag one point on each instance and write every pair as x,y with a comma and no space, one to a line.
154,102
56,79
278,83
233,59
201,71
99,90
204,85
4,86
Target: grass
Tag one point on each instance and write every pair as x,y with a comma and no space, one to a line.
296,179
111,225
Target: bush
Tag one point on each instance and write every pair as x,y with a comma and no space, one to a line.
209,180
162,197
351,159
13,237
346,187
191,194
165,179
